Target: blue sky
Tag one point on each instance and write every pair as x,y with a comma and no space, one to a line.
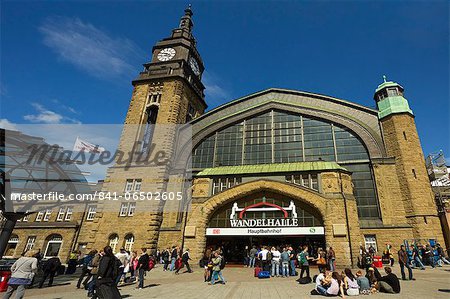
73,61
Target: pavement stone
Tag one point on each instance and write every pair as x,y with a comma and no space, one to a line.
242,285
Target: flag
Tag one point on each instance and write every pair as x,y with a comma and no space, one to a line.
81,145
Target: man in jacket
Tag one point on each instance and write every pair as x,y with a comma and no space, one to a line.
50,268
389,283
85,270
403,262
217,271
173,257
142,266
94,270
185,260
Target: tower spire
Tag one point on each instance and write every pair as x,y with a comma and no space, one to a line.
186,20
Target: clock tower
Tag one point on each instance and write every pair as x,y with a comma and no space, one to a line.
168,92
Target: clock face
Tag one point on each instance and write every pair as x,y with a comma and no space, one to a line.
194,65
166,54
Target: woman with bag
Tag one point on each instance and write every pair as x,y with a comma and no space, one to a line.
321,260
23,271
108,270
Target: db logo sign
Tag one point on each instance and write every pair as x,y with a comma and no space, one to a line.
216,231
312,230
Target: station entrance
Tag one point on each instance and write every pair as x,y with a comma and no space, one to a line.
264,219
235,247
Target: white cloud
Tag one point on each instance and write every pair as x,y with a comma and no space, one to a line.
88,48
46,116
215,94
6,124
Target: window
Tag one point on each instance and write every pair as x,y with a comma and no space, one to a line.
133,185
69,213
414,173
123,209
113,241
154,98
39,216
222,184
60,216
151,114
47,215
404,135
91,212
280,136
370,241
11,246
54,243
30,243
129,241
305,180
129,186
26,217
190,113
127,209
392,92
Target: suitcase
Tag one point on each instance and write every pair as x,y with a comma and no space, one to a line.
257,270
264,274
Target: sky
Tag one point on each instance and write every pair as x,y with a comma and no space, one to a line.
72,62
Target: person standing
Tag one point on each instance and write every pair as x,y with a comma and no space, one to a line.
173,257
165,255
142,267
253,254
50,268
263,258
217,271
292,257
108,269
22,273
331,257
73,261
124,259
403,262
94,270
303,258
284,262
185,261
276,255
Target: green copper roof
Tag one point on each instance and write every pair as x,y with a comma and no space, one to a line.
270,168
392,105
386,84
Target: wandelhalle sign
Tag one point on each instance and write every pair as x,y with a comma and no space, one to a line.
264,226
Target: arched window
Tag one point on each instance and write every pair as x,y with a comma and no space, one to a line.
12,245
113,241
151,113
283,137
54,243
129,242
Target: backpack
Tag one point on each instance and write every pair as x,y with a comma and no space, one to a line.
222,263
301,258
264,274
269,256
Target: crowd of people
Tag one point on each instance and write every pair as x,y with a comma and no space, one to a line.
102,271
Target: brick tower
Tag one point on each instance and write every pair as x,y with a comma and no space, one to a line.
402,142
167,92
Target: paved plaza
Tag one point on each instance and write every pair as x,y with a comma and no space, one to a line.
241,284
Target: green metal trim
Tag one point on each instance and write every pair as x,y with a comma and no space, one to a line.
270,168
393,105
387,84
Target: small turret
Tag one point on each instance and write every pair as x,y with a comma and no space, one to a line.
390,100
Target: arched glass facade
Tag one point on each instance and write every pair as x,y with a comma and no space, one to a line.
280,137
